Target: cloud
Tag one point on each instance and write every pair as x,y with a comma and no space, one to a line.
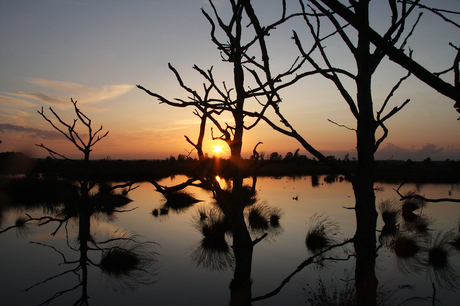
104,93
42,97
430,149
7,101
392,151
57,85
37,132
63,91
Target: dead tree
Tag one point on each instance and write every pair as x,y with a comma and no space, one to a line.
368,121
218,99
85,145
69,131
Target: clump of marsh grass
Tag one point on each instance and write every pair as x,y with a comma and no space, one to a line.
330,294
128,261
213,225
257,218
179,200
440,263
343,293
22,229
390,215
405,247
390,212
320,232
410,206
264,219
160,212
118,261
212,252
408,253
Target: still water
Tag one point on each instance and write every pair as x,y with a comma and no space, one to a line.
179,274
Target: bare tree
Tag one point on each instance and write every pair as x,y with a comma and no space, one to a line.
80,204
83,143
362,108
267,86
218,98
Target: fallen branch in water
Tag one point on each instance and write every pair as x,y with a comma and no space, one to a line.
417,196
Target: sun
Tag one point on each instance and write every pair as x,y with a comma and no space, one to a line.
217,149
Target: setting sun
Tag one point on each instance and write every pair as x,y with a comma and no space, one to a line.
217,149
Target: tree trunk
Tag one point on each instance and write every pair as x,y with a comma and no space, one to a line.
240,286
84,235
363,186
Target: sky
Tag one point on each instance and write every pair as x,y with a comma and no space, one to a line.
96,51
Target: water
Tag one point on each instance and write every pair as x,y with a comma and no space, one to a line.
176,279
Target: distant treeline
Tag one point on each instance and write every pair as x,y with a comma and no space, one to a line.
13,163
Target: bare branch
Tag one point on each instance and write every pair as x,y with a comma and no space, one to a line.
54,154
333,76
417,196
340,125
72,135
392,91
53,277
396,54
440,12
304,264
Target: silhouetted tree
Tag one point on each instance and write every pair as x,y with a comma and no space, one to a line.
69,130
218,99
199,143
275,156
268,87
367,60
83,142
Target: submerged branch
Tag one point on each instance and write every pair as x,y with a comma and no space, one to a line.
299,268
417,196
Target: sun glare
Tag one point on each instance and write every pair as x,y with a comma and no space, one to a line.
217,149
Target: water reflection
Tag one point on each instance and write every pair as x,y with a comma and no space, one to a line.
401,224
235,214
407,232
124,259
294,256
420,248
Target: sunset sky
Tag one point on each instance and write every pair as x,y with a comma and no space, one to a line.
96,51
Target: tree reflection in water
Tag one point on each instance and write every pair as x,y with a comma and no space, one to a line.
418,248
414,242
235,214
406,232
125,260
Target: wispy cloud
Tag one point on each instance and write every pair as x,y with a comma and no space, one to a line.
40,96
11,101
63,91
37,132
57,85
